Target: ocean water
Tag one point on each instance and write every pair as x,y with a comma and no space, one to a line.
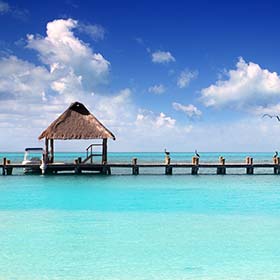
154,157
140,227
159,158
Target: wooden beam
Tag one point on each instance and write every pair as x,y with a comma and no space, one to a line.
104,151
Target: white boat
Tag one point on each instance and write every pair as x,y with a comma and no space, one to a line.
33,156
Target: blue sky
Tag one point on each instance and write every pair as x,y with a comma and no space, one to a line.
179,74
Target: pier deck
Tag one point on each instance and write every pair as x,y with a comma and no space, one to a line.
53,168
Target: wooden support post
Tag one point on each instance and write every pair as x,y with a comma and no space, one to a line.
168,170
9,169
51,150
77,168
250,168
4,166
43,165
47,150
104,151
276,169
135,168
106,170
195,168
221,170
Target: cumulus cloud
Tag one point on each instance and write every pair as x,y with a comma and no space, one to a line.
190,110
95,31
62,51
162,57
69,72
185,78
157,89
148,118
248,86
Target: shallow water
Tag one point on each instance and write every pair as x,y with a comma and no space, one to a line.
139,227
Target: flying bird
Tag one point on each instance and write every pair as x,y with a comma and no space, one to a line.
197,154
272,116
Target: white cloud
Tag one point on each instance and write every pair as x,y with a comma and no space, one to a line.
247,86
185,78
21,79
163,120
95,31
61,50
157,89
148,118
32,95
162,57
4,7
190,110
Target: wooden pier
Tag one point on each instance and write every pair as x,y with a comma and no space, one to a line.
134,168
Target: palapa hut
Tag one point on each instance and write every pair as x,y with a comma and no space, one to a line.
75,123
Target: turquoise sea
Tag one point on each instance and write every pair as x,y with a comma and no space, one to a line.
142,227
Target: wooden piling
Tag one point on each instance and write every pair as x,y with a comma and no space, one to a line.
135,168
77,168
9,169
51,150
106,170
221,170
250,168
47,149
104,150
276,162
168,170
4,166
195,162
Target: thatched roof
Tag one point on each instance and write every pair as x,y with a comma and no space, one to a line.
76,123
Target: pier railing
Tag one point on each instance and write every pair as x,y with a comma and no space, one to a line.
90,154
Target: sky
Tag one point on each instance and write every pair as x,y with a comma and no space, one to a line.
181,75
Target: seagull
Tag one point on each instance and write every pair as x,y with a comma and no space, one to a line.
275,155
167,153
272,116
196,153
